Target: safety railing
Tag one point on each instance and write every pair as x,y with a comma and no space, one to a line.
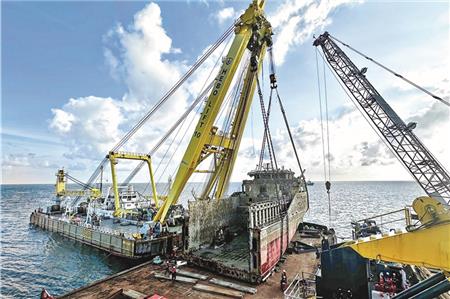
383,223
302,286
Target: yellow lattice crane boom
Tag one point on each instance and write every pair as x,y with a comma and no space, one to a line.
252,32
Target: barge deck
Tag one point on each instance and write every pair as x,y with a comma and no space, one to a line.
142,279
116,240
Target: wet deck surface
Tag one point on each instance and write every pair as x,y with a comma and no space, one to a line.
142,279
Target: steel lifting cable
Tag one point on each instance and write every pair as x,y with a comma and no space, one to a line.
228,123
175,87
327,121
77,181
167,151
165,98
327,182
228,118
263,145
392,72
166,190
273,159
204,94
283,112
273,85
179,122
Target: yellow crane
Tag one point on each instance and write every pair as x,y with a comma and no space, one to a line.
61,191
113,157
427,245
252,32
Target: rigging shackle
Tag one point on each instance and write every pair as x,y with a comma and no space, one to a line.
328,186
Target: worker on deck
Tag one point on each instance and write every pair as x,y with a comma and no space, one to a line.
173,272
157,229
168,267
283,282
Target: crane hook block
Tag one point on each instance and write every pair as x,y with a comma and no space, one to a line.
273,81
328,186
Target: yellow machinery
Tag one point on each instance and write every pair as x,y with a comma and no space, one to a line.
61,191
424,244
209,142
113,157
252,32
428,245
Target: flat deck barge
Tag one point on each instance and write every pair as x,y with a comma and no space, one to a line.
142,279
114,239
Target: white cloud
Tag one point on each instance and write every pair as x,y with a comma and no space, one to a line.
137,53
10,161
91,126
227,14
62,120
356,151
295,21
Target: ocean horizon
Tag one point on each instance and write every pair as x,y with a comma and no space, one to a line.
32,259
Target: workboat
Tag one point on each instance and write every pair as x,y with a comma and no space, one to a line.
245,235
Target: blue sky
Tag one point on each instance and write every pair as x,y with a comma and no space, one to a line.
55,51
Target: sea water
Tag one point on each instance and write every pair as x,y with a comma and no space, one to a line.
32,259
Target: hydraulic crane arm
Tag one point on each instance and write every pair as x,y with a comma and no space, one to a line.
413,154
253,32
428,245
61,191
